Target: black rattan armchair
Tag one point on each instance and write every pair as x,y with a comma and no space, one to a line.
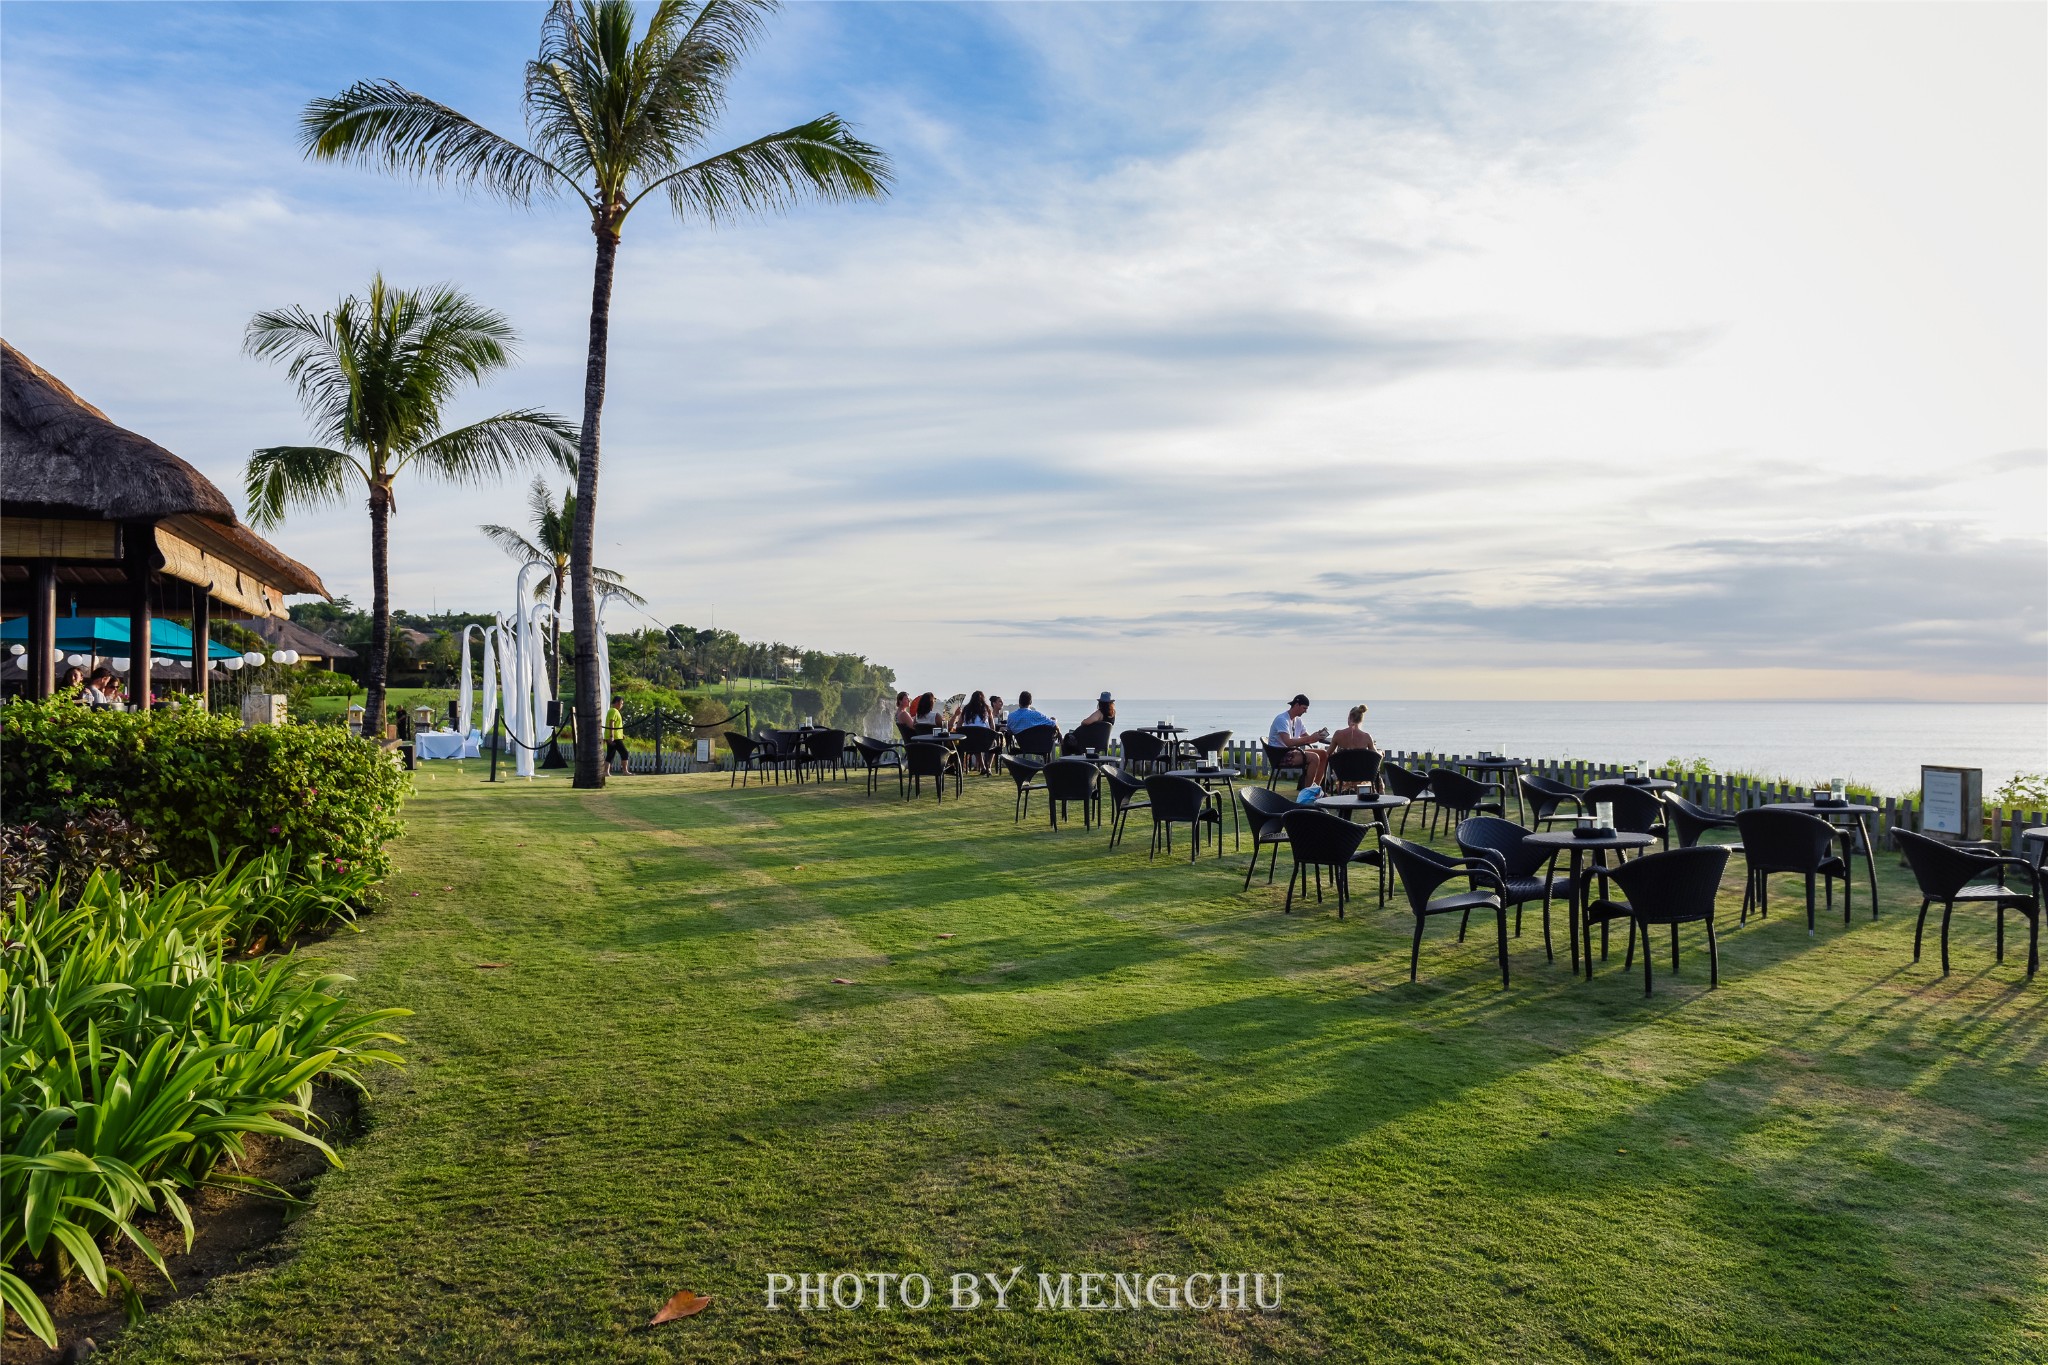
923,758
1029,775
745,755
1212,743
1037,742
1068,780
1179,801
1421,871
1317,839
1689,821
1945,871
1458,796
1522,868
1399,781
1636,809
1546,796
1675,887
876,756
1351,769
1126,794
1795,842
977,744
1263,811
1082,738
1143,751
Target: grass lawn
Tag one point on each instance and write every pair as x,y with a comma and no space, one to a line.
394,699
1111,1066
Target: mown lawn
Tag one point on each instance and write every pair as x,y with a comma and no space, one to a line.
1112,1066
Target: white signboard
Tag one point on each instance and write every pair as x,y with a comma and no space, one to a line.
1949,801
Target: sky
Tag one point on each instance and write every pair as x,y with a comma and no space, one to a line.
1388,351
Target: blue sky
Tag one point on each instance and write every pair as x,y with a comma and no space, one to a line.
1382,350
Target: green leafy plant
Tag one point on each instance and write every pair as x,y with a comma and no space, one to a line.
195,782
136,1056
2026,791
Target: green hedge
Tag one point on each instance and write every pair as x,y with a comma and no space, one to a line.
184,775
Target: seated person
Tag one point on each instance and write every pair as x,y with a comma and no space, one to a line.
906,714
1024,717
1353,735
1105,710
997,714
1303,749
927,712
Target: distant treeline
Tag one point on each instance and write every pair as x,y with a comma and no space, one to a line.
679,667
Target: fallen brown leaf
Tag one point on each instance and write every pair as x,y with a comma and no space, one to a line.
682,1304
945,936
487,966
842,981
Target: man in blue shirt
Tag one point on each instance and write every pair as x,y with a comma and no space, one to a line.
1302,748
1023,717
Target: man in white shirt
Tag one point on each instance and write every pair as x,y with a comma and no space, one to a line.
1303,749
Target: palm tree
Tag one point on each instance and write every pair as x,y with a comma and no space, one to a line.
373,375
613,119
549,546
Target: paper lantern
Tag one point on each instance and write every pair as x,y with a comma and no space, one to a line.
58,655
75,660
159,663
253,658
120,665
17,650
231,664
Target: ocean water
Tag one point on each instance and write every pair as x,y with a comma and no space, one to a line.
1879,744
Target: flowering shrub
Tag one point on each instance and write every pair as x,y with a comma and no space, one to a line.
196,783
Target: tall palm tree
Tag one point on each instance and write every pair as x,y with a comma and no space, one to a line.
613,119
549,545
373,375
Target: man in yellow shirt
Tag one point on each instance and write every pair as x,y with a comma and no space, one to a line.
615,740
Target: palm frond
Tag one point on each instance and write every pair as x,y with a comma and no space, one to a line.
384,125
820,159
613,582
495,446
278,478
512,543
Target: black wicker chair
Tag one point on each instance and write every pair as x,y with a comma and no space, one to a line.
1399,781
1546,796
1262,812
1636,809
1082,738
1521,868
1791,841
1317,839
1212,743
1945,871
1277,767
978,744
1180,801
1421,871
1029,775
1068,780
1458,796
1144,752
1126,794
746,753
1352,769
924,758
1690,821
1674,887
876,756
823,752
1037,742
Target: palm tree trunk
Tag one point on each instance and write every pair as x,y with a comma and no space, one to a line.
380,613
590,768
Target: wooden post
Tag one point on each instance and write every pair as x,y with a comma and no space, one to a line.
138,546
42,629
202,623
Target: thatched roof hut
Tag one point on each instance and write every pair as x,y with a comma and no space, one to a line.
115,523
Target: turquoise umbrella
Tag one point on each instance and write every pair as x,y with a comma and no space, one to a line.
107,636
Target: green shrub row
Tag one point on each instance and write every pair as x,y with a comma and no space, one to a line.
137,1049
197,783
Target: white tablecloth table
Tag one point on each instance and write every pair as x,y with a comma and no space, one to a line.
445,744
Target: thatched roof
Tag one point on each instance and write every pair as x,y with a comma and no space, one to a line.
62,453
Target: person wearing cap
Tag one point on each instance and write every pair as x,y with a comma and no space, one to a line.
1303,749
1104,712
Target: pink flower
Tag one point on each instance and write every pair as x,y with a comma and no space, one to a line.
275,829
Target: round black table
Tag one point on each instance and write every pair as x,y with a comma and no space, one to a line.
1209,777
1378,805
2038,837
1641,784
1559,840
1849,810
